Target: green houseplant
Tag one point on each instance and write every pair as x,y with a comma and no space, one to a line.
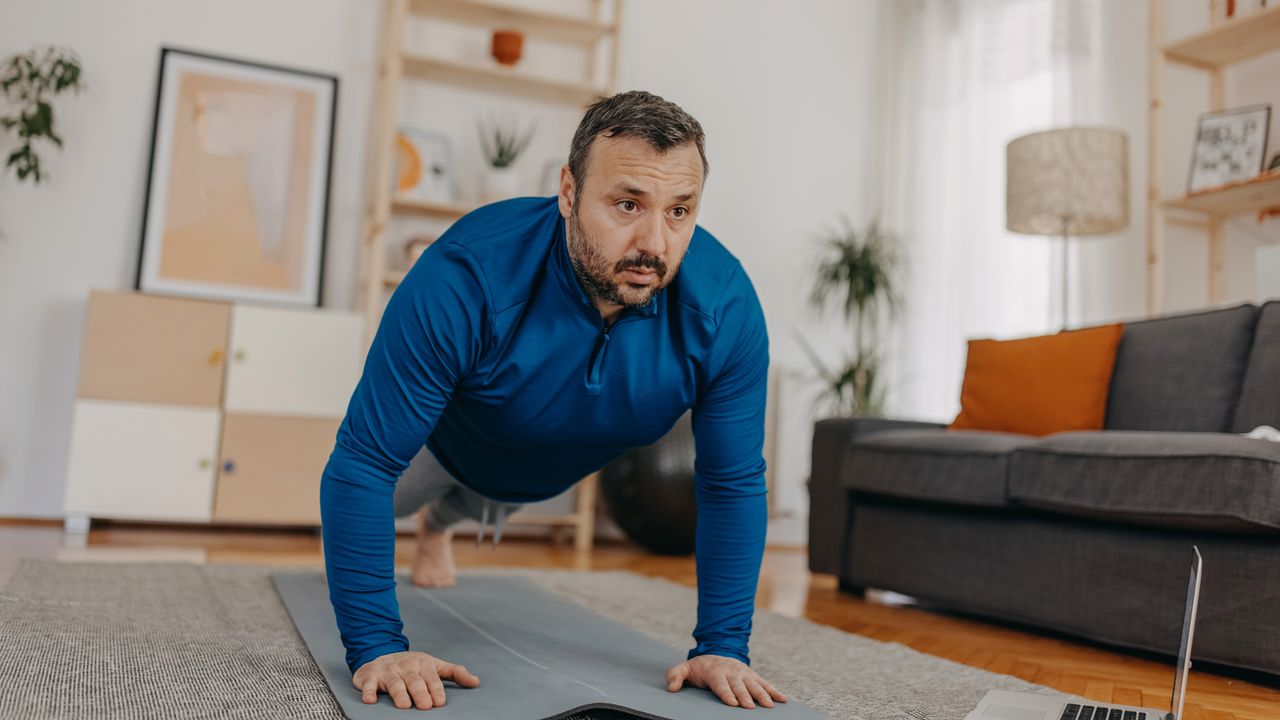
855,272
27,81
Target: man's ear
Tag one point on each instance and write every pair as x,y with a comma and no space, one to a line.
567,188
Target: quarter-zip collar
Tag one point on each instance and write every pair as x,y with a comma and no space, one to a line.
562,266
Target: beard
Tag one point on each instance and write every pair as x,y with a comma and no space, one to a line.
598,276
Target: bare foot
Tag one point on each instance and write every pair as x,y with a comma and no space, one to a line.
433,564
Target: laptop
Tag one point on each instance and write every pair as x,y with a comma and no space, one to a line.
1003,705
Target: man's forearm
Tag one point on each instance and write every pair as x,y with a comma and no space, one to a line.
729,547
358,529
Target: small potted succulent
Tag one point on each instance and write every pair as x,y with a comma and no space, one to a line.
502,143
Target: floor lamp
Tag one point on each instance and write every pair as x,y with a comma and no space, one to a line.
1065,182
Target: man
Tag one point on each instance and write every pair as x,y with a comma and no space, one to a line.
534,342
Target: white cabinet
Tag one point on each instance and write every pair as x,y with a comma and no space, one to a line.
141,461
207,411
293,362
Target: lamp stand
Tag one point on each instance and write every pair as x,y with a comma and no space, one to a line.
1066,313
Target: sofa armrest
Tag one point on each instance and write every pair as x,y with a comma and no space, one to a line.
829,503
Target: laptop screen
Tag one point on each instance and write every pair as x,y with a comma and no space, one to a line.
1188,630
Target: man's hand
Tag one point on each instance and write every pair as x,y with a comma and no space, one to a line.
732,680
405,674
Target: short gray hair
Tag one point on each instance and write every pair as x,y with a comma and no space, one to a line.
635,113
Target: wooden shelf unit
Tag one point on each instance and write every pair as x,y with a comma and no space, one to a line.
1233,41
1226,42
1257,193
498,79
397,64
555,27
446,210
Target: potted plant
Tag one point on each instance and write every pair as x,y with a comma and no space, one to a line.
502,143
855,271
27,80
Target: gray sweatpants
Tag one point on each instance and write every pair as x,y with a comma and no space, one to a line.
427,482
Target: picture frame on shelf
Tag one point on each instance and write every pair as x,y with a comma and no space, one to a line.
423,167
238,183
1230,146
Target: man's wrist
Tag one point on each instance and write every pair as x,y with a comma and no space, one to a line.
355,662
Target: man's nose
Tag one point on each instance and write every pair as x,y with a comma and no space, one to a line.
652,237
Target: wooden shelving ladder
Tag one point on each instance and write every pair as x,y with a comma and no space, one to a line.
1225,43
398,63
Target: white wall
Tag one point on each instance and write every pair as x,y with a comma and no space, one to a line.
785,93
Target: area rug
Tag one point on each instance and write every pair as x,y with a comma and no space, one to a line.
177,640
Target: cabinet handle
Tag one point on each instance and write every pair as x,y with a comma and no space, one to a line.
205,463
215,357
240,355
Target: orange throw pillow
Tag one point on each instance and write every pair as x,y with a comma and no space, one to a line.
1039,385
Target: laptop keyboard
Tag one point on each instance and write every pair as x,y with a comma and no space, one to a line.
1092,712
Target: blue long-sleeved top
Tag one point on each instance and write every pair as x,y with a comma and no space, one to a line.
491,353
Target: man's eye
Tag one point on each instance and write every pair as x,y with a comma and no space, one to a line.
682,212
628,205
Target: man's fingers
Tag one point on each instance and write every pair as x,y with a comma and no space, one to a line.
436,687
420,693
756,688
720,686
773,691
369,693
740,692
676,676
398,692
458,674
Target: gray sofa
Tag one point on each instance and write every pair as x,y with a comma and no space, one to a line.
1087,533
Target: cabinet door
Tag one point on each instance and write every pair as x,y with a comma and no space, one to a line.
150,349
293,362
270,468
142,462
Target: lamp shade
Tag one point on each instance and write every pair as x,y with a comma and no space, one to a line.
1074,179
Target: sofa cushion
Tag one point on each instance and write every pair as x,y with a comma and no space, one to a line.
1260,396
1202,481
963,467
1181,372
1039,385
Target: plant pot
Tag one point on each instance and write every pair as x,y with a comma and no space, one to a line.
507,46
500,183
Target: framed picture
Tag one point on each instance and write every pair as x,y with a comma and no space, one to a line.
1230,146
237,202
423,166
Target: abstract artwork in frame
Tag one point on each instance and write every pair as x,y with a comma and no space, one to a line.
237,202
1230,146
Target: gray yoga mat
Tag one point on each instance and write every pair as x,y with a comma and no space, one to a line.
538,656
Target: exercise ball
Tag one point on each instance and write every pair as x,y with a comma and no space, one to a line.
649,492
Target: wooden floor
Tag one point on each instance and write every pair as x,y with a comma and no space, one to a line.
785,587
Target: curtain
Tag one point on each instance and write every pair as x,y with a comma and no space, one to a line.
963,78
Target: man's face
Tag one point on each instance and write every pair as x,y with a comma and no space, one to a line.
630,227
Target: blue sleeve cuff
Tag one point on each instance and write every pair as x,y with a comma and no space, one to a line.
710,649
354,662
